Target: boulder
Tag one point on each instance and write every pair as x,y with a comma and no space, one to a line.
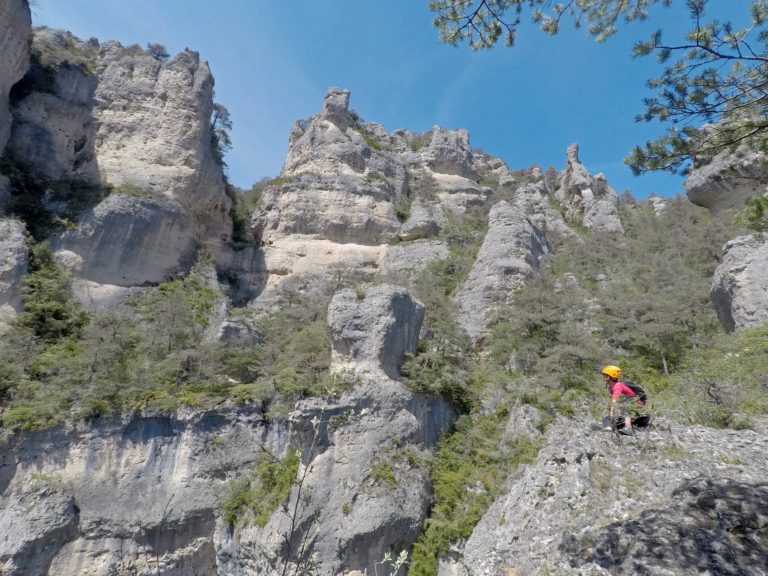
449,152
509,254
740,284
372,332
15,32
424,221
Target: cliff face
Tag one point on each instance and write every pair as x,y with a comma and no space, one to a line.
14,46
143,495
99,114
739,285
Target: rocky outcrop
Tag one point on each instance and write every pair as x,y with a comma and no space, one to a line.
15,32
340,183
404,260
154,131
727,180
510,253
99,113
13,262
129,241
588,199
53,125
346,185
361,496
740,285
682,500
373,332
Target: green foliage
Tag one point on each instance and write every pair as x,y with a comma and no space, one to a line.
256,496
221,124
50,312
371,140
157,51
71,52
383,474
434,373
420,141
128,189
47,205
755,214
722,384
469,473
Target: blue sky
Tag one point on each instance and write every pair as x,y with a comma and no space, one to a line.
273,61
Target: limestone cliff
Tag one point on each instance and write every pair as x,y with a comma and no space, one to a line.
143,494
104,113
14,46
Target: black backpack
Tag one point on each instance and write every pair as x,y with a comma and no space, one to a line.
637,389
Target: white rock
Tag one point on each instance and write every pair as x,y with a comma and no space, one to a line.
740,285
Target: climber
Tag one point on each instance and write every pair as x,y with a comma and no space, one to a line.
627,402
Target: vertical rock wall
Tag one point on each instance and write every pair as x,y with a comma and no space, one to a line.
15,31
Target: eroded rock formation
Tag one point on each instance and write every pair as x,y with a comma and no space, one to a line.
740,286
97,113
509,254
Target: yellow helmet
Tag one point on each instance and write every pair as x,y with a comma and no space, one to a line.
612,371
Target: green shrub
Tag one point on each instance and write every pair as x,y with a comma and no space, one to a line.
133,190
259,494
50,312
469,473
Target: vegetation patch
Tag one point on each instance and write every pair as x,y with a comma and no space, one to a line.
257,495
469,473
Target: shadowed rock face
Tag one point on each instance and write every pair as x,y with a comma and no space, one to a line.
727,180
710,526
15,31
